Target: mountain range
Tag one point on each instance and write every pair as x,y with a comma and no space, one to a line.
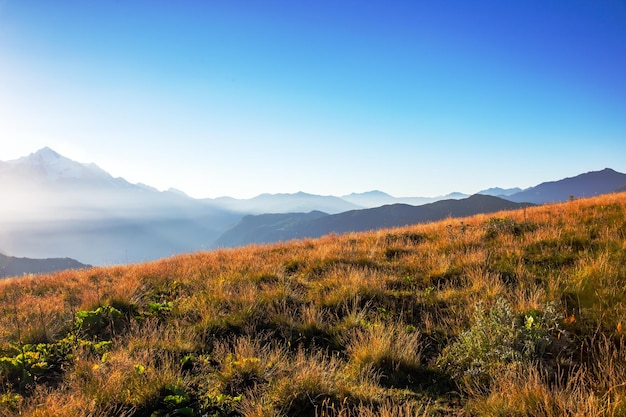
60,208
279,227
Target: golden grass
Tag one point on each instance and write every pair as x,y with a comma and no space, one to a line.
343,325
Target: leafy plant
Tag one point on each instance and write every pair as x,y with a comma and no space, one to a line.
175,402
11,402
221,405
497,226
498,338
99,323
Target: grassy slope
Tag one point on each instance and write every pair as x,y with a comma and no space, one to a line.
515,313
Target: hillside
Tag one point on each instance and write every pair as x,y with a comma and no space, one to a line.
512,313
266,228
12,266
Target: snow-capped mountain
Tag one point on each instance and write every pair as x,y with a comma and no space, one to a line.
47,167
56,207
53,166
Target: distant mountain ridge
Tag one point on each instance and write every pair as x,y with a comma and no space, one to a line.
11,266
284,203
584,185
264,229
376,198
500,192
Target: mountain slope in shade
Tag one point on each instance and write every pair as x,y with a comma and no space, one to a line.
584,185
361,220
402,214
266,228
11,266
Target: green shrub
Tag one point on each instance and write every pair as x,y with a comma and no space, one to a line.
175,402
497,226
10,402
498,338
100,323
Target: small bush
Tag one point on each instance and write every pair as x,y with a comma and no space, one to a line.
497,226
498,338
100,323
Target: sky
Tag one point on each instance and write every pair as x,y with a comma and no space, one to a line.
239,98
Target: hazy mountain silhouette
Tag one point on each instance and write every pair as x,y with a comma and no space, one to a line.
500,192
584,185
62,208
370,198
284,203
376,198
284,227
12,266
303,202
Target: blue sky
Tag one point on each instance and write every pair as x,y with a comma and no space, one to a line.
415,98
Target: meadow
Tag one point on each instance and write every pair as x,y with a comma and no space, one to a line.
517,313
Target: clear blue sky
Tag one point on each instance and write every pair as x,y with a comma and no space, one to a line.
415,98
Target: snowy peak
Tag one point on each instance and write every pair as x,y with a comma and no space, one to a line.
46,164
44,154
